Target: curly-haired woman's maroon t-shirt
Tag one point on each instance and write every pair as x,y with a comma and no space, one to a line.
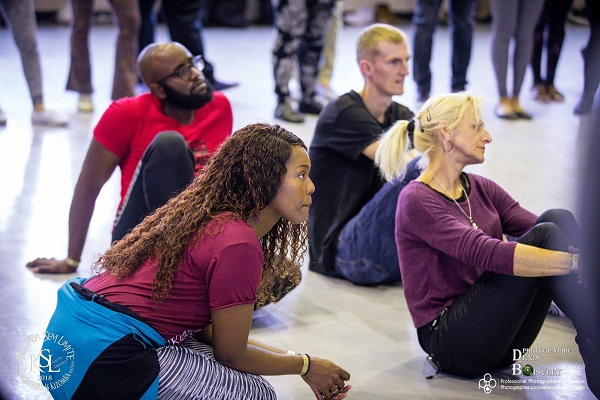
223,269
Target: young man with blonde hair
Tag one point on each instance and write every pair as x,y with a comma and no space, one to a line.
350,235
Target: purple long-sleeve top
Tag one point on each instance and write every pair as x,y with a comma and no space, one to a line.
441,254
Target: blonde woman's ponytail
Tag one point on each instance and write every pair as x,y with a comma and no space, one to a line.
391,151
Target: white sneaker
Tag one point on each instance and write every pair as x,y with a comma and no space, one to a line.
326,92
362,16
48,118
2,118
85,103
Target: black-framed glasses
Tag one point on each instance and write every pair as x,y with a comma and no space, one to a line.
185,71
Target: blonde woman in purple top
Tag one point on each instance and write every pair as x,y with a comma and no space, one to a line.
473,296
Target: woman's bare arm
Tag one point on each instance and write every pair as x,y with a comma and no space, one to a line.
530,261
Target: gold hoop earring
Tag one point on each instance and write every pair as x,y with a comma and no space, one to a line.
444,146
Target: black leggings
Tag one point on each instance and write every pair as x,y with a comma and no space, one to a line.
499,313
552,21
166,168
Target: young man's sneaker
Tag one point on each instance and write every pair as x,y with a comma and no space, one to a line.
2,118
48,118
285,112
310,107
325,91
85,103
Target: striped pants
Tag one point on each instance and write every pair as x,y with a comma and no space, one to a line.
191,372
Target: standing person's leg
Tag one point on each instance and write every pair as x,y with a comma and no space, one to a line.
80,79
291,22
591,59
424,21
147,23
540,93
504,21
462,17
166,167
21,17
125,76
319,15
528,12
184,18
556,33
329,49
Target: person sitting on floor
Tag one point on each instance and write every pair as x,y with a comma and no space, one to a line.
460,277
351,219
159,140
173,302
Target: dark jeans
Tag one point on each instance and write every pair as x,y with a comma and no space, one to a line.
425,19
366,250
165,169
499,313
184,20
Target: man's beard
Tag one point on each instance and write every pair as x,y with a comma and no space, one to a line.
187,101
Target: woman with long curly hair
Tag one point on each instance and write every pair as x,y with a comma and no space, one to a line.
169,313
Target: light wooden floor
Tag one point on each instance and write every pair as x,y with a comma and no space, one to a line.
366,330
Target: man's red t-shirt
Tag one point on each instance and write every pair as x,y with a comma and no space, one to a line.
129,124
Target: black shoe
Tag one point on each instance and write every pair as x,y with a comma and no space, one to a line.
285,112
523,115
217,85
310,107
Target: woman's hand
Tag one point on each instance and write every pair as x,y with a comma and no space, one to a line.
327,380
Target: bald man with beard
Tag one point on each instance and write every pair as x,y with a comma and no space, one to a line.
159,141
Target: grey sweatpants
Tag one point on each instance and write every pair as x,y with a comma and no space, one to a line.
20,14
513,19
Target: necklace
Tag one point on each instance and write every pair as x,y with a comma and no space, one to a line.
470,216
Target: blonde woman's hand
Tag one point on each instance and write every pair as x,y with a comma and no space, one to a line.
327,380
